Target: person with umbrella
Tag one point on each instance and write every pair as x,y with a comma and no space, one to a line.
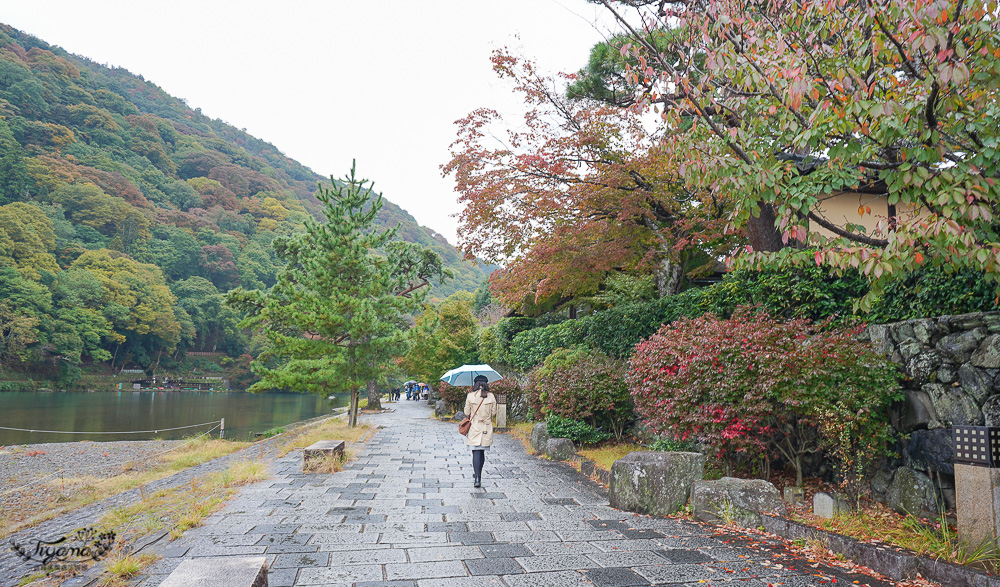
483,406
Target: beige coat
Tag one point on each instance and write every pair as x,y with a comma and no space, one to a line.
481,433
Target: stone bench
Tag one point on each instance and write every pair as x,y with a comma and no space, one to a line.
324,449
219,572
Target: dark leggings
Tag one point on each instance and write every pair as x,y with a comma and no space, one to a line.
478,460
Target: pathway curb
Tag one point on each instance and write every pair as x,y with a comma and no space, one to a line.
896,563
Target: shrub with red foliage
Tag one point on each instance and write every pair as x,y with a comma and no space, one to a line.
455,395
582,385
756,386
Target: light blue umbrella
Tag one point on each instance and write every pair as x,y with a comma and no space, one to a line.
464,375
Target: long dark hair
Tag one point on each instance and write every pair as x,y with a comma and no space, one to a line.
481,385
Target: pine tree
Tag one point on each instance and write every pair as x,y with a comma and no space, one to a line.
336,317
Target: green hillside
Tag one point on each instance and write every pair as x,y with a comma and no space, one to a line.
125,215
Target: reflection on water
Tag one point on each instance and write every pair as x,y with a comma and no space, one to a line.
98,413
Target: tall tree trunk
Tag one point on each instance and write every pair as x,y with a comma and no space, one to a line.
374,397
352,411
115,357
668,276
764,236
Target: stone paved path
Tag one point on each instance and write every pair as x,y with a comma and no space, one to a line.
404,513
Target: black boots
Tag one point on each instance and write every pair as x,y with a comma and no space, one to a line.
478,460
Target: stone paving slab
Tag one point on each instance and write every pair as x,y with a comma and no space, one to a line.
404,513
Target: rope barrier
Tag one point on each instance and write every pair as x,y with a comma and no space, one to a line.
115,432
106,465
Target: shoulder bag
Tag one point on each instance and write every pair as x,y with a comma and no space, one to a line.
466,423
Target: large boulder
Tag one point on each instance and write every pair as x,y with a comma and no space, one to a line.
459,416
657,483
978,383
880,483
924,330
539,438
991,410
987,355
916,411
958,348
953,405
947,373
921,366
931,450
441,408
881,339
738,501
911,492
560,449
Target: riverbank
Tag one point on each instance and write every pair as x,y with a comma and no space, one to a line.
167,507
38,481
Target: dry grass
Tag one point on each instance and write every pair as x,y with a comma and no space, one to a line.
120,568
76,492
178,508
184,507
335,428
605,455
522,432
876,523
328,464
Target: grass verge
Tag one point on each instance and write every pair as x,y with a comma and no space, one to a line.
328,429
70,493
605,455
522,432
177,509
937,539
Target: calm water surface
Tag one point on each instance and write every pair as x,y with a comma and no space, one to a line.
98,413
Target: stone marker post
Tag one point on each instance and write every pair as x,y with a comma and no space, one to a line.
977,483
501,410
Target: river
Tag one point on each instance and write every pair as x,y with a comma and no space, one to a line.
94,415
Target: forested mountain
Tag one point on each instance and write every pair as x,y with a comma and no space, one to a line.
125,214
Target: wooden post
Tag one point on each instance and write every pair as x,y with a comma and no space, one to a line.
222,428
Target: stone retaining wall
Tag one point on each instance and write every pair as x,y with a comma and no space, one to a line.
952,364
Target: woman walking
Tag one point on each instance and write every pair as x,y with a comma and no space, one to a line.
482,406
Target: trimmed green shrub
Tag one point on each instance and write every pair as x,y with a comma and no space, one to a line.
934,292
575,430
494,342
583,385
530,347
615,332
802,292
507,328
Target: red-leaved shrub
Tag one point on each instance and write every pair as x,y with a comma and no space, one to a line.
582,385
755,386
455,395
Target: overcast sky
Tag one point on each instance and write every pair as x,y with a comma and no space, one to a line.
327,81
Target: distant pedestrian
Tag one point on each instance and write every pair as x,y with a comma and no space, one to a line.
481,406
